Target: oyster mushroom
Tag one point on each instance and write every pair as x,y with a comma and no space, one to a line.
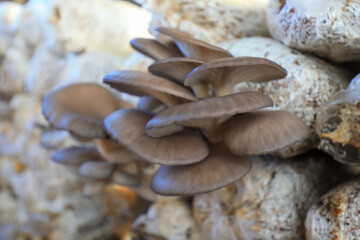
176,70
140,83
223,74
75,155
81,108
217,170
113,152
207,115
194,48
150,104
262,132
309,82
154,49
127,126
120,176
96,169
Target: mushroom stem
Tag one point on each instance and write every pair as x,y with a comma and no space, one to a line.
223,89
201,91
213,134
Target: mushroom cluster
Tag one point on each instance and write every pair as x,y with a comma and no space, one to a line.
188,119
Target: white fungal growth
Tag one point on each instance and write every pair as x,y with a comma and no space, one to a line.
315,8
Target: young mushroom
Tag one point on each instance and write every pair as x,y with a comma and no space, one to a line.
154,49
194,48
113,152
176,70
207,115
262,132
217,170
150,104
81,108
140,83
75,156
96,169
127,126
224,74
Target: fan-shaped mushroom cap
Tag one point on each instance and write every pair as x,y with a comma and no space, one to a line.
194,48
127,126
113,152
217,170
154,49
174,69
93,187
263,132
148,103
123,178
224,74
207,114
75,155
96,169
140,83
81,109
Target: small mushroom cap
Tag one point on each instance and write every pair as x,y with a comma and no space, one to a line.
174,69
125,179
263,132
93,187
226,73
75,155
206,114
194,48
154,49
113,152
217,170
96,169
148,103
81,109
127,126
141,83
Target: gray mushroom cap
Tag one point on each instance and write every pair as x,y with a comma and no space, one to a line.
96,169
174,69
113,152
140,83
93,187
263,132
127,126
75,155
123,178
149,103
194,48
217,170
154,49
224,74
81,109
207,114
